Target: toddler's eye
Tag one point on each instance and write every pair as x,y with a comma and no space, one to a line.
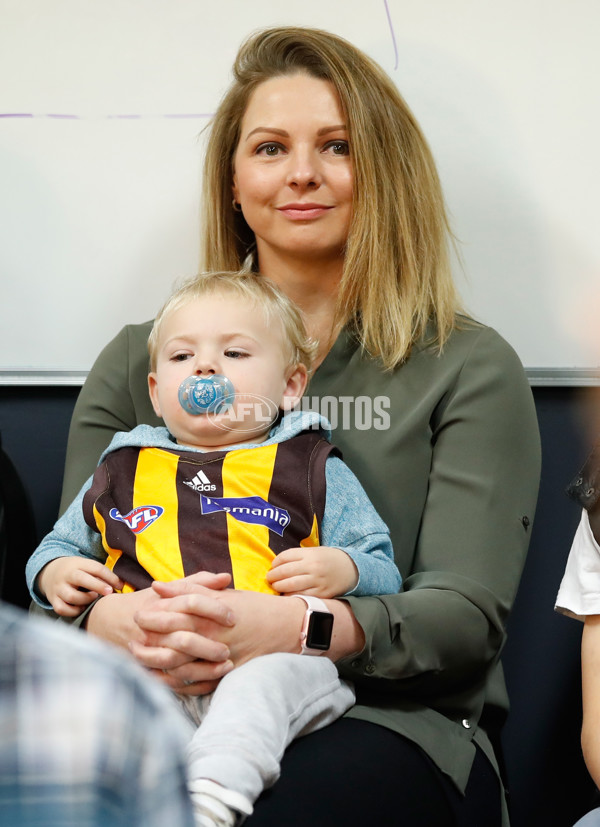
235,354
180,357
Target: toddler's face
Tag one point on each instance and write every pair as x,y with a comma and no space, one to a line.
224,334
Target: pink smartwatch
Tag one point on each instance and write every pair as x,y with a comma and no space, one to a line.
317,626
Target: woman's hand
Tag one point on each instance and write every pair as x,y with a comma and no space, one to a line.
259,624
112,618
116,618
179,638
196,635
191,632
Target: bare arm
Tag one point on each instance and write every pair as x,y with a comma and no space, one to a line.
590,674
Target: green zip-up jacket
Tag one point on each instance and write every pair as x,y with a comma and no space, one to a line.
447,448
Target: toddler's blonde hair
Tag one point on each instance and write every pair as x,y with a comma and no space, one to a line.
258,291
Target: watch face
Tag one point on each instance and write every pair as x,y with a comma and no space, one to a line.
319,630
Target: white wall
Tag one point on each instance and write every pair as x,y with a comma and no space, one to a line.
99,212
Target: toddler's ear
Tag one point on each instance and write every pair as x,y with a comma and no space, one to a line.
153,391
295,387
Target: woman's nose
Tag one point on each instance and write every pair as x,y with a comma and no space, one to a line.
303,171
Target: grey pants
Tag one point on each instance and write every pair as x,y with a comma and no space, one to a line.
245,725
591,819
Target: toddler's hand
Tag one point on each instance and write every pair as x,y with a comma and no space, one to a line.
71,583
320,570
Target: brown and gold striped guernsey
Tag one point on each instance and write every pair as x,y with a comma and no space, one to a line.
164,514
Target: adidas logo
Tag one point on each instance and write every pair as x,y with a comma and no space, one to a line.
200,482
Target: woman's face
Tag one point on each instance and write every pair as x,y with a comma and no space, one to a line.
293,172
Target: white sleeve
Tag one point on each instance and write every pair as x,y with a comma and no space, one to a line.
579,592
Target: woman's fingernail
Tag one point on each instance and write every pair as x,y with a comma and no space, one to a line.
227,667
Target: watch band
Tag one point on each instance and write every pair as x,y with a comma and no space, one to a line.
317,626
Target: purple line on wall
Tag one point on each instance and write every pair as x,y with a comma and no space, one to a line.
389,17
69,117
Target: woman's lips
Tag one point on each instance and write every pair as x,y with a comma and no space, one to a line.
303,212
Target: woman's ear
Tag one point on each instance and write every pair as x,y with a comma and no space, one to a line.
153,391
295,387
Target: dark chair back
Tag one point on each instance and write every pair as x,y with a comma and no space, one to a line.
17,534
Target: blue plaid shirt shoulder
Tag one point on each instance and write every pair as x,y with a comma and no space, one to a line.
86,737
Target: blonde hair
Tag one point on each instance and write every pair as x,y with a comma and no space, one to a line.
257,290
397,277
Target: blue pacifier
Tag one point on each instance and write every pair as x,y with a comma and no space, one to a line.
199,395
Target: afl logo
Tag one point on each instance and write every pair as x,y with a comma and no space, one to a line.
140,518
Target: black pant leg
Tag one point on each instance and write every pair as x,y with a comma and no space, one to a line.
357,773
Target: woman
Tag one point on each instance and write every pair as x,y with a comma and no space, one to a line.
318,175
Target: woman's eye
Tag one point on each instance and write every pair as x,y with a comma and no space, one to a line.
338,147
271,150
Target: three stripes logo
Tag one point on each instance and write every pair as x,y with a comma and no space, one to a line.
200,482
